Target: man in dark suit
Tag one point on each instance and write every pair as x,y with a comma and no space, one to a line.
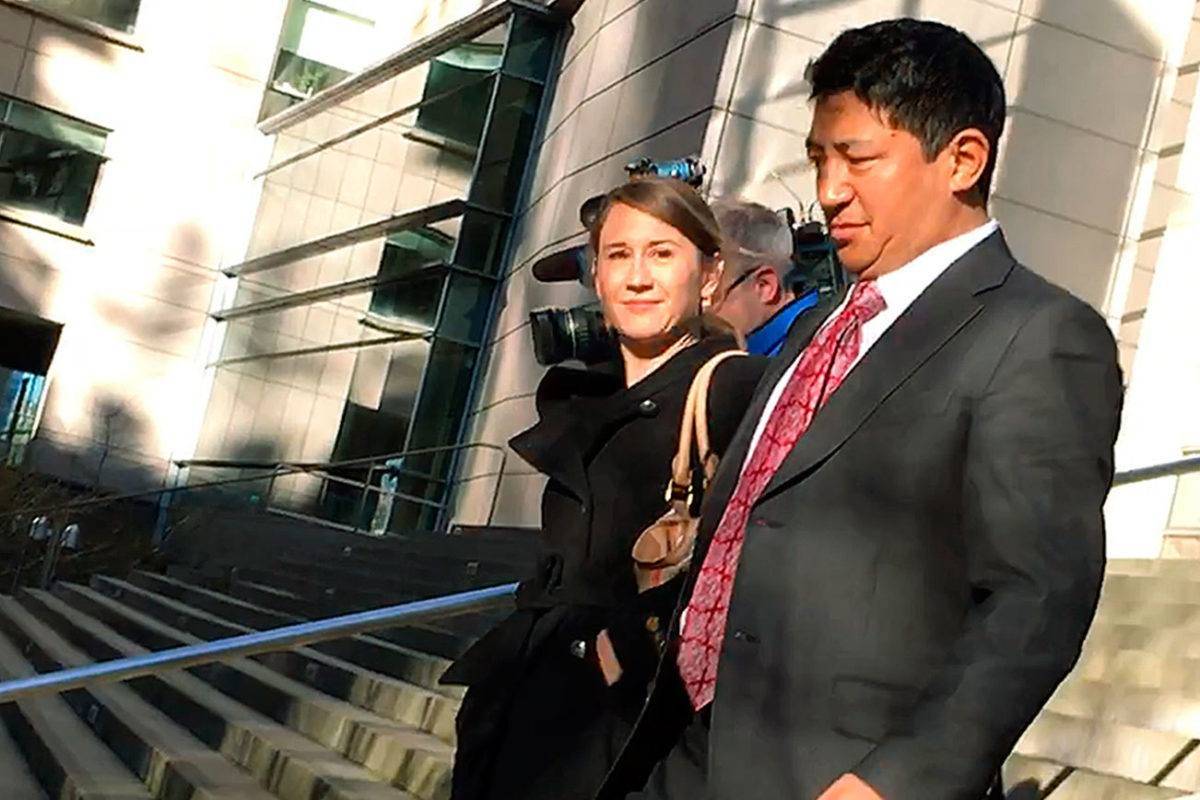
902,551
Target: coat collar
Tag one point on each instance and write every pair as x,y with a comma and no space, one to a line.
577,407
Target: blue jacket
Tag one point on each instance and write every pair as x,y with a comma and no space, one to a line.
767,339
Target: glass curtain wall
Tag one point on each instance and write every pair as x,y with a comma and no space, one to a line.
361,308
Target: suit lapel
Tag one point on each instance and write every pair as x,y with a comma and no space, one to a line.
932,320
730,468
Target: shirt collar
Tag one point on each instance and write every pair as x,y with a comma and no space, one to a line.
902,286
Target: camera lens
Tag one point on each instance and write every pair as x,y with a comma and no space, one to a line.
576,333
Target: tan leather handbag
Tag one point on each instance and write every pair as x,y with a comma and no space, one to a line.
664,549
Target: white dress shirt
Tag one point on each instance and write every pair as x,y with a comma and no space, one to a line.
899,288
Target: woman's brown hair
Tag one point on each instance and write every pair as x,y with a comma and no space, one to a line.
667,200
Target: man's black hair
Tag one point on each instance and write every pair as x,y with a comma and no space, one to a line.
926,78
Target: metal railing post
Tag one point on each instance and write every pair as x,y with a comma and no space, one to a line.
361,511
50,559
269,493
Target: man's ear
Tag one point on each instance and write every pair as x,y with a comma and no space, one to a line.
768,286
967,154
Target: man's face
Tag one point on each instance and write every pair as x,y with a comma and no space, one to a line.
748,295
884,202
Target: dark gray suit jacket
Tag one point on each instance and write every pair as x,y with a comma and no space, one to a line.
920,573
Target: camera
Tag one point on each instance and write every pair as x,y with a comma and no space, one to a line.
561,334
580,333
815,262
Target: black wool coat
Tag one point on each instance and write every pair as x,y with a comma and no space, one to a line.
538,721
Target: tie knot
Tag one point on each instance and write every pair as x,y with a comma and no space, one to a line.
866,301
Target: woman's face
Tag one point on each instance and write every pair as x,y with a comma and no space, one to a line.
649,276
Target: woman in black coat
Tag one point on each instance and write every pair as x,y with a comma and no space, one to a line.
541,719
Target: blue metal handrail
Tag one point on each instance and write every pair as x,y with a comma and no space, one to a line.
251,644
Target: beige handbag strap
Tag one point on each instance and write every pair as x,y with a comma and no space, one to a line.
695,426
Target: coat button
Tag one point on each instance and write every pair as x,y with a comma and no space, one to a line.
648,408
579,648
653,624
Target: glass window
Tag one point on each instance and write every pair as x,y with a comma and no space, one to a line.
27,346
530,47
457,92
501,165
468,303
117,14
481,242
48,162
369,339
323,42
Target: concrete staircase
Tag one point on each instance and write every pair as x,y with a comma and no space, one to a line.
363,717
1126,724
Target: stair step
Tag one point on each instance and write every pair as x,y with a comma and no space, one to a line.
1155,590
1029,778
444,646
168,759
1186,776
1023,776
16,781
1109,748
1150,614
1084,785
412,759
400,701
288,764
1146,708
60,750
1182,569
366,651
1140,669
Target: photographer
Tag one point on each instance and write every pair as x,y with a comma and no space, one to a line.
756,295
556,687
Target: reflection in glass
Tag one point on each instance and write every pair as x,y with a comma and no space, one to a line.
48,161
376,418
117,14
481,242
530,47
457,92
468,305
501,164
323,42
20,399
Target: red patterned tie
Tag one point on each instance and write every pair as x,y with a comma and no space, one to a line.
823,365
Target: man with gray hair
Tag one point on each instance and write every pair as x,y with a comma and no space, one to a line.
755,294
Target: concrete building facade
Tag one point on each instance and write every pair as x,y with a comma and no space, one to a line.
299,250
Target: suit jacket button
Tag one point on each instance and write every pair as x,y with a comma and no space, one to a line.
648,408
579,648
